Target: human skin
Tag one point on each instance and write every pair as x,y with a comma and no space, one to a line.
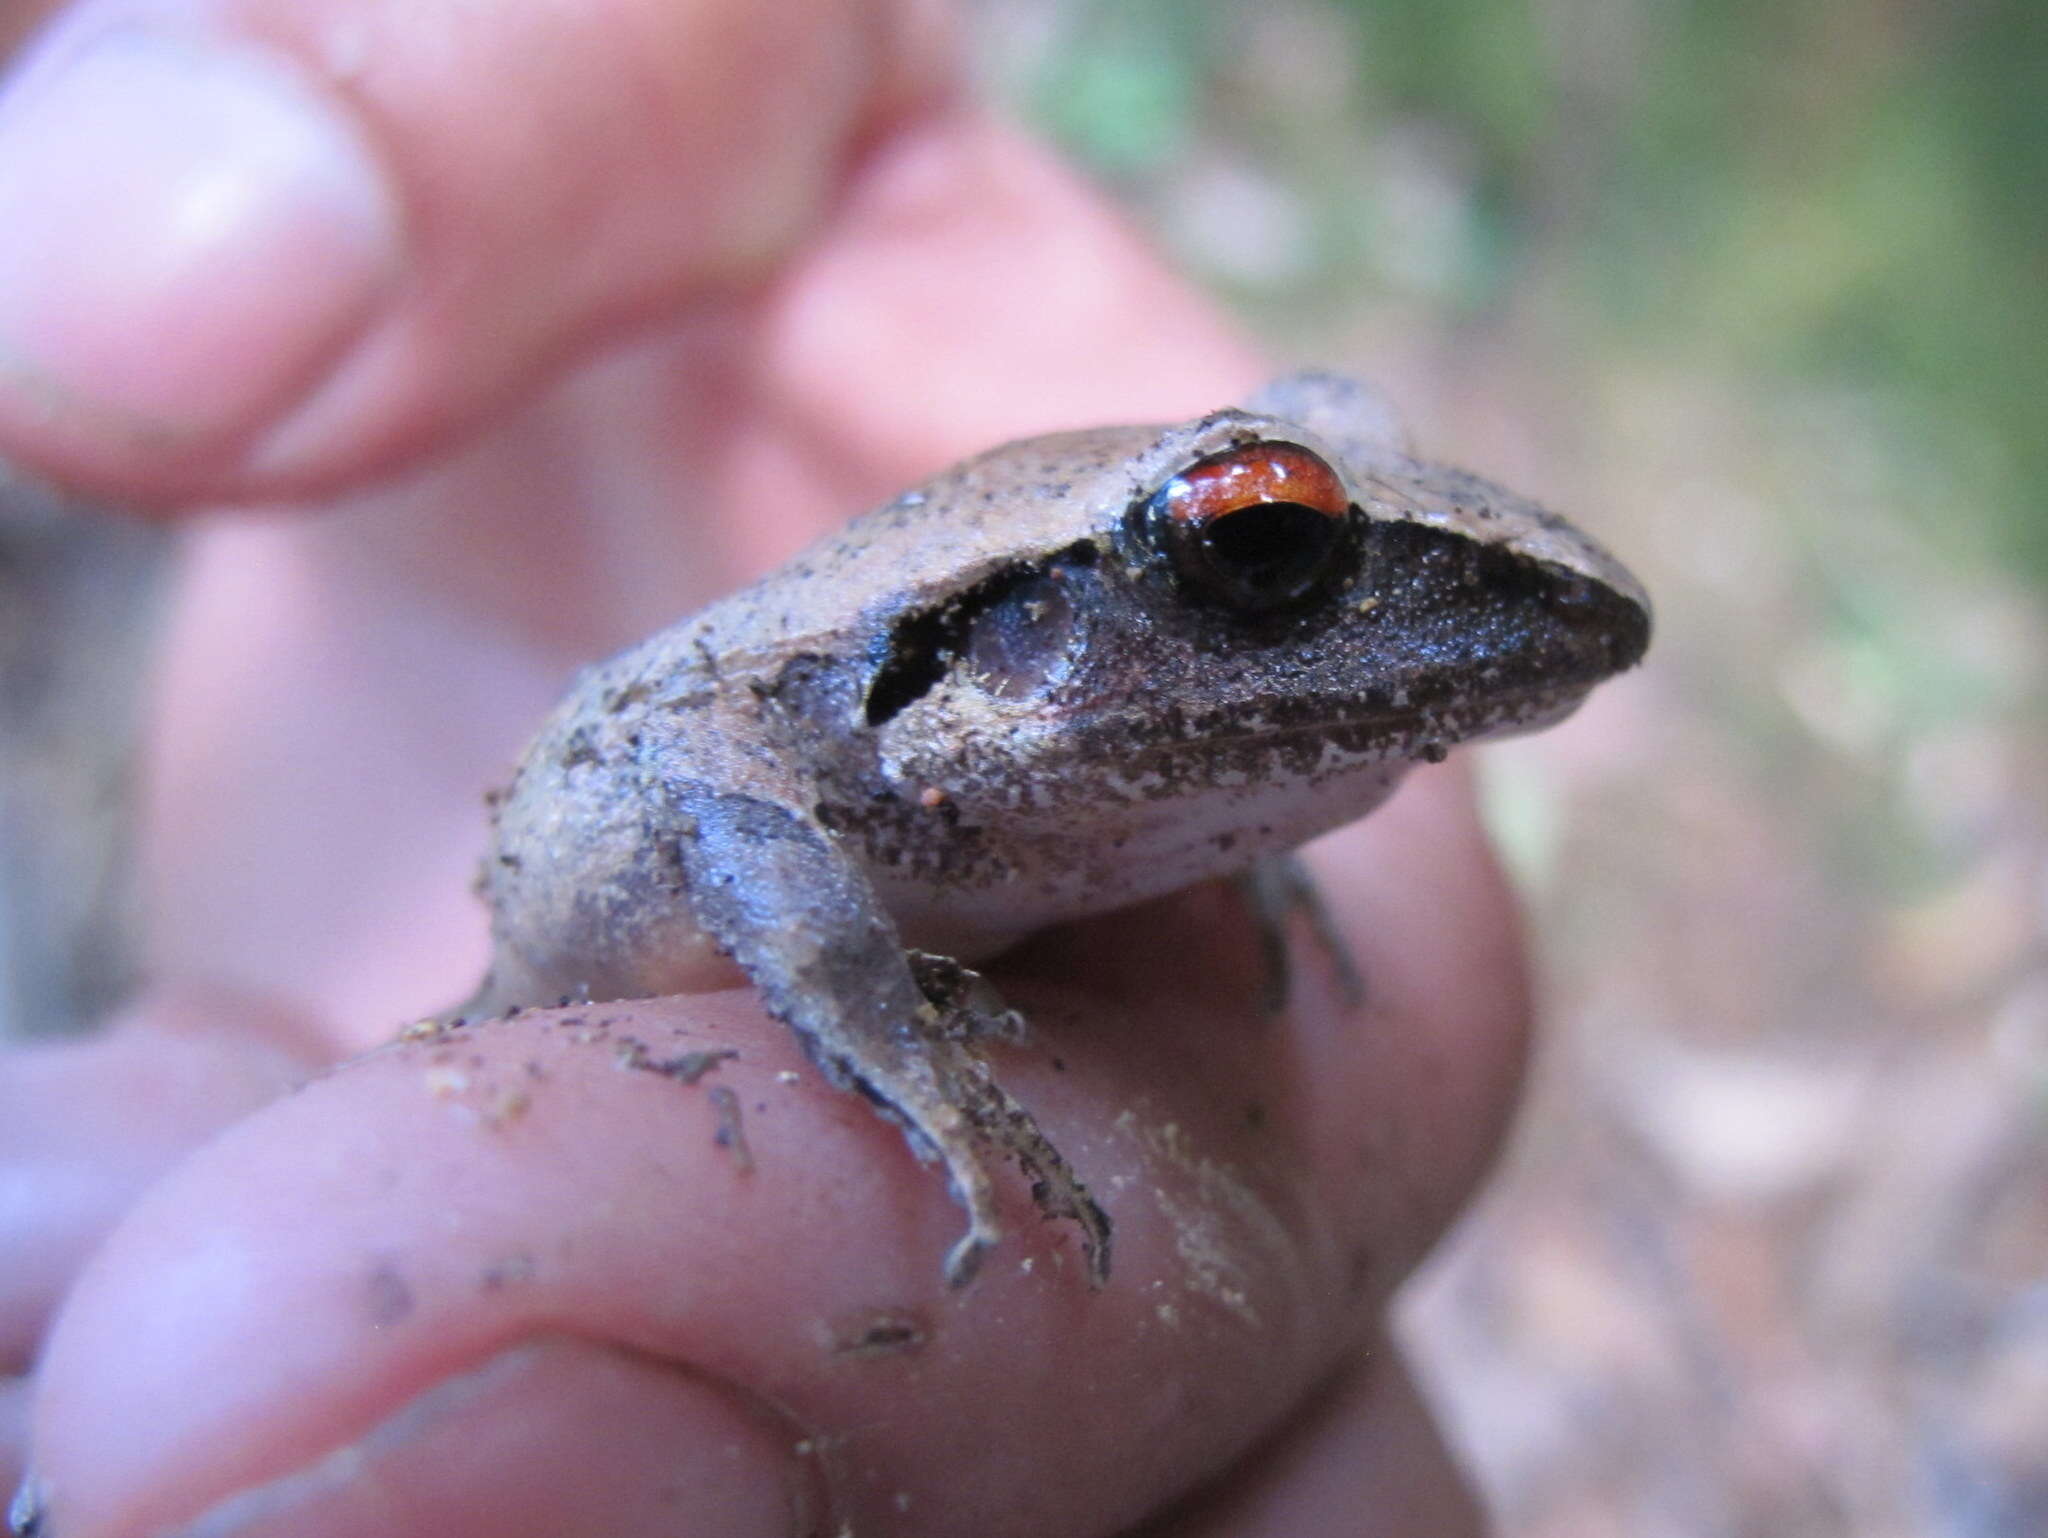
543,326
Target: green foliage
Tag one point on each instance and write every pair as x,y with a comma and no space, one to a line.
1124,93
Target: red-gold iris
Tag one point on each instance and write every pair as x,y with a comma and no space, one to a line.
1256,528
1240,478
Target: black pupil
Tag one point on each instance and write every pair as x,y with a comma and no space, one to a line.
1270,552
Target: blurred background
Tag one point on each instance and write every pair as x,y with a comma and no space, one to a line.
1758,291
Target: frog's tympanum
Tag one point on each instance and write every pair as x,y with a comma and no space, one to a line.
1067,675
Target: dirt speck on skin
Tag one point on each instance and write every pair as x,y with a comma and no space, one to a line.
477,1094
731,1134
692,1066
875,1332
686,1067
387,1296
504,1105
1219,1222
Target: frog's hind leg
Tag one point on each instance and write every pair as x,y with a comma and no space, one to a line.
952,1109
965,1010
776,890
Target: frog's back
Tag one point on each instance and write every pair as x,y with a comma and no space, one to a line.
1021,503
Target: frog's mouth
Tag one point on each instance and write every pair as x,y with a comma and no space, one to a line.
1361,732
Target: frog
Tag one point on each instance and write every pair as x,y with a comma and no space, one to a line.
1063,677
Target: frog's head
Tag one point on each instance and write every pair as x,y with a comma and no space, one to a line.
1254,604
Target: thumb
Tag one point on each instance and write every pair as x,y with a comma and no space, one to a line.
258,247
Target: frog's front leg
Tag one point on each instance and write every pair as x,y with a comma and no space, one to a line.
1276,889
778,892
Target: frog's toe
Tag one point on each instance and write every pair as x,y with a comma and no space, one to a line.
974,1188
1056,1190
1059,1193
963,1260
967,1004
1277,890
1060,1197
958,1111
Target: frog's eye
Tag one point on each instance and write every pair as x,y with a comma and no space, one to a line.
1255,527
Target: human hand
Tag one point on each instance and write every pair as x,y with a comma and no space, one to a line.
567,320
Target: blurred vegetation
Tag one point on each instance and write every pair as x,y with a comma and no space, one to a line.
1849,195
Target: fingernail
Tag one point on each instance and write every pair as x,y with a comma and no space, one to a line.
553,1440
192,235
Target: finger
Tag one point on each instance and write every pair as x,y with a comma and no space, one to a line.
256,245
1363,1458
501,1186
85,1126
594,1199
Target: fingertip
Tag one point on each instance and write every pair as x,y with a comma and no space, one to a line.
196,236
262,247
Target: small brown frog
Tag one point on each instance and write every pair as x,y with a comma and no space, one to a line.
1066,675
